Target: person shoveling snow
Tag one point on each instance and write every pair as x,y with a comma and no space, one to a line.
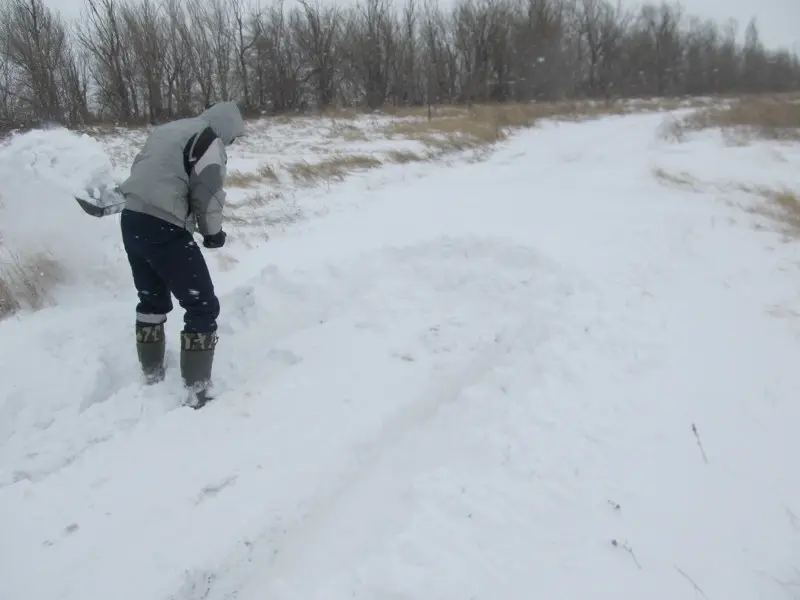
176,187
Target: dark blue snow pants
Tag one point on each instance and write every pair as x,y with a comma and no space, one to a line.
165,259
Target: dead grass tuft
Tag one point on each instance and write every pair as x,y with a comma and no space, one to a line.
334,168
783,206
450,133
27,282
347,132
241,179
262,198
262,212
248,213
403,157
682,180
763,117
267,172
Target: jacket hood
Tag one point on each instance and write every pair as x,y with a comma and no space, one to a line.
226,121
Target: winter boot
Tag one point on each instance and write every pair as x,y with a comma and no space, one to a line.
197,357
150,346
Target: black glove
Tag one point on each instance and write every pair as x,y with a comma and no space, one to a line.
215,241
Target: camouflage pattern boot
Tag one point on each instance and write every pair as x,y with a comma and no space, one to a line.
150,347
197,358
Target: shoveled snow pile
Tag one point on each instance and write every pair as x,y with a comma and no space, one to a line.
42,228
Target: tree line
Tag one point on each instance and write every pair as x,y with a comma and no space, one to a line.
146,61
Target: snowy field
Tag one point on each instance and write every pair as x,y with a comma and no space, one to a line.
568,370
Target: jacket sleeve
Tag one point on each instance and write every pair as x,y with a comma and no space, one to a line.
206,182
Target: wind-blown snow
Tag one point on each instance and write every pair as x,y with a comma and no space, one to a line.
543,375
41,171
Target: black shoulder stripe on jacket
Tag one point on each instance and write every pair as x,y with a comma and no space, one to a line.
196,147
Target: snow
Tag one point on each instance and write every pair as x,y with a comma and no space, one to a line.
548,373
41,170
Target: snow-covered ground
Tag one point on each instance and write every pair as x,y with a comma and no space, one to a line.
554,373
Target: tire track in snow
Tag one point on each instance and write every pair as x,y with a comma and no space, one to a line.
529,325
443,284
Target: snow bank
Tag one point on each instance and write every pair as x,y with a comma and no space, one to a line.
46,241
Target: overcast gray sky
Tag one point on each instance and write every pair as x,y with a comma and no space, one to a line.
778,20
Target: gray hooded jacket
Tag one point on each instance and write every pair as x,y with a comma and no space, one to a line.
179,174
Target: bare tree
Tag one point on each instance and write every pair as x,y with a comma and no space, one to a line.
9,84
602,28
755,68
74,77
179,63
659,47
540,56
440,58
36,43
369,45
220,25
244,39
105,37
316,31
137,60
148,37
406,76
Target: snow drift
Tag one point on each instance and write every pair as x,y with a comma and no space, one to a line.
47,244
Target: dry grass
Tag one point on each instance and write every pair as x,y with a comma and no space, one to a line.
267,173
442,130
334,168
682,180
449,133
457,128
783,206
27,282
245,215
262,198
765,117
403,157
523,111
347,132
241,179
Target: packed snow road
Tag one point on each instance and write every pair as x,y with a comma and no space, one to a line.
545,375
